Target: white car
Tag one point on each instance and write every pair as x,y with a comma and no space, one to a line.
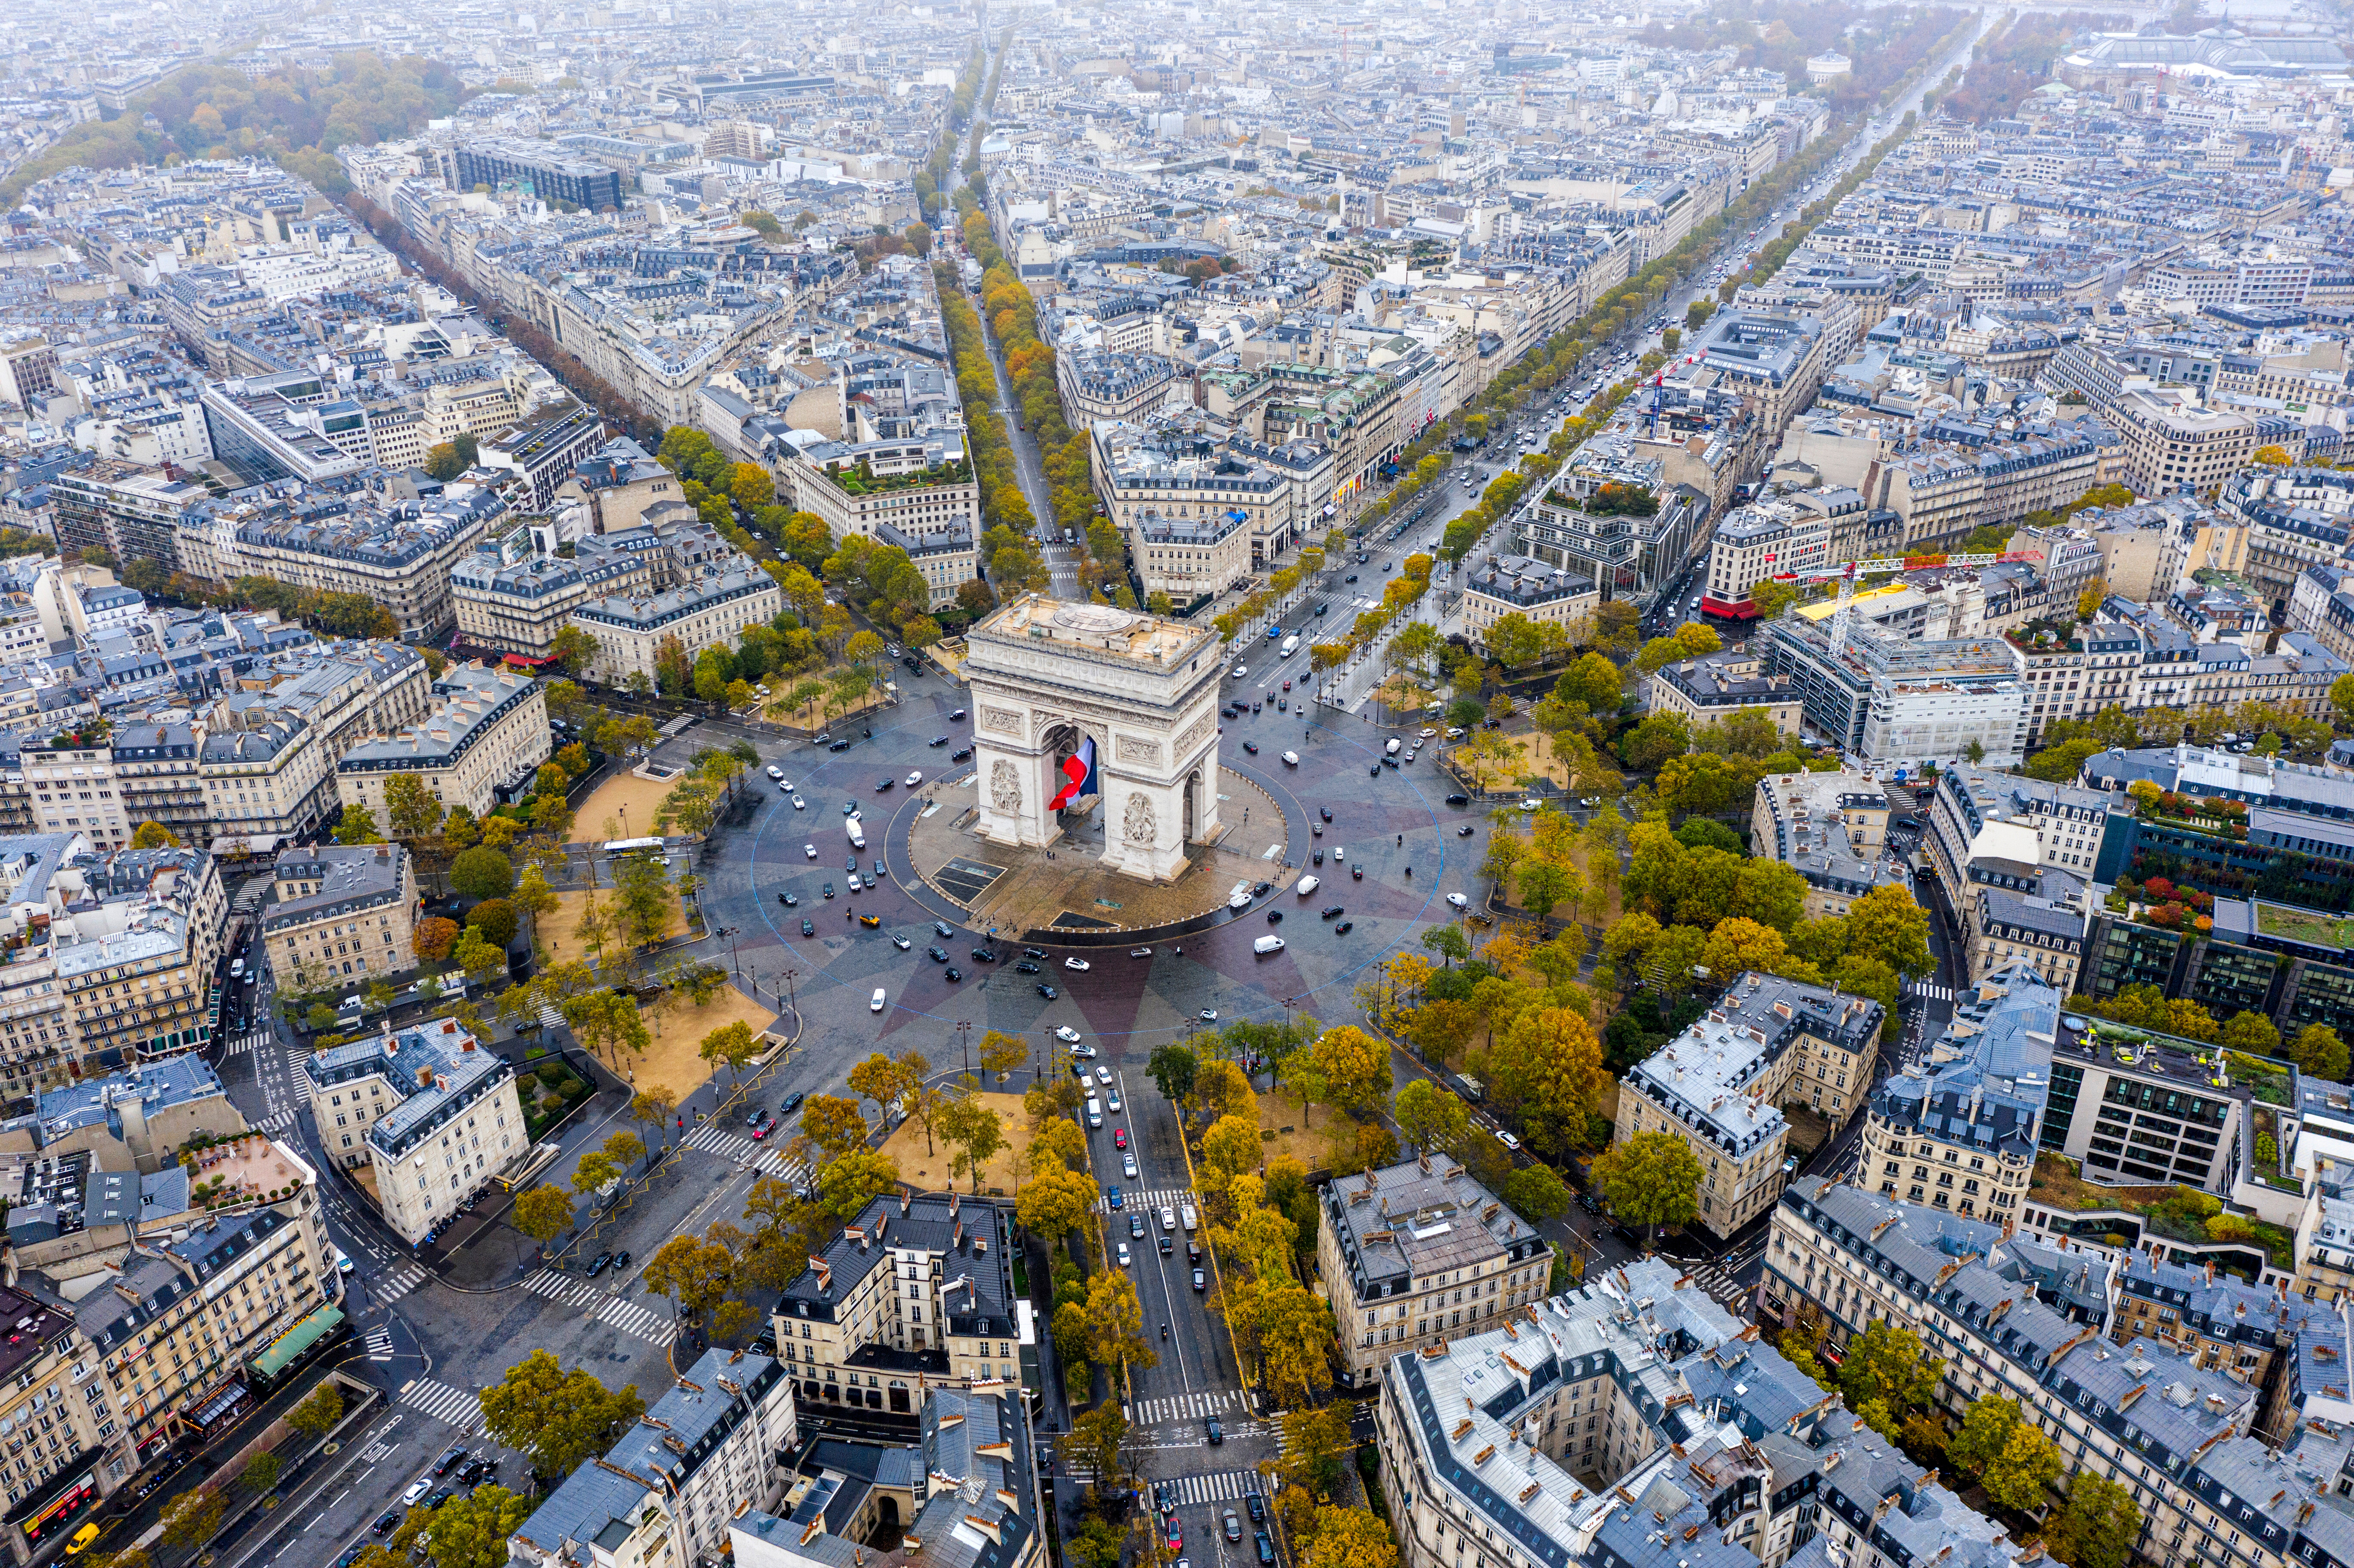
1127,1166
777,774
810,849
1340,855
914,778
797,802
857,885
1532,804
1068,1036
1427,732
1123,1255
1459,901
875,1003
1074,964
1238,671
1113,1104
1508,1140
1167,1218
1103,1074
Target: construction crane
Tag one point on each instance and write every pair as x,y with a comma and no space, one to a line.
1846,576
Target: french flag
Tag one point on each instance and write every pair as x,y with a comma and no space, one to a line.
1080,769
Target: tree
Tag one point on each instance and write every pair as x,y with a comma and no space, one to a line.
1229,1149
412,811
543,1213
831,1128
696,1275
1535,1192
153,835
193,1517
558,1419
1096,1442
494,918
2319,1053
481,872
605,1021
1431,1119
435,936
1353,1067
977,1130
849,1183
358,826
1055,1202
1347,1538
472,1530
1651,1179
2252,1032
1115,1322
1172,1069
1595,681
1002,1053
261,1472
1888,924
731,1046
1885,1367
2097,1526
316,1416
477,955
645,906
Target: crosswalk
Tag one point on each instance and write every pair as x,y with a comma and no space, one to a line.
278,1123
713,1139
1148,1203
642,1321
460,1407
565,1289
380,1344
392,1287
1220,1486
246,1045
1929,990
1718,1284
1177,1407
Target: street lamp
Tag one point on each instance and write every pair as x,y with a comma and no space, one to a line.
964,1042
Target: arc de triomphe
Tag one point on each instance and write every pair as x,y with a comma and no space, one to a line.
1047,675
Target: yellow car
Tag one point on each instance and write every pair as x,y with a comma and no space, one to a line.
81,1540
872,922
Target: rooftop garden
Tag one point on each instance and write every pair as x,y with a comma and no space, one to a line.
1610,500
2307,926
93,733
2158,902
2042,635
2179,1213
2225,819
863,480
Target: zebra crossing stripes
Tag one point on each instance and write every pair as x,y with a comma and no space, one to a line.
1220,1486
278,1123
1720,1286
398,1283
562,1288
1177,1407
642,1321
455,1406
380,1344
713,1139
1929,990
245,1044
1154,1201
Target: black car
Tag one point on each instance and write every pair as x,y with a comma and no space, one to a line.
1458,800
1589,1203
1375,771
1049,993
792,1103
451,1461
1275,917
1265,1549
1329,912
886,785
604,1261
955,716
1033,952
984,955
1258,1508
1344,927
808,930
938,955
1325,812
955,973
386,1522
839,746
937,740
1251,747
1261,890
960,755
1317,858
1349,579
1254,707
1632,1237
477,1471
1168,1247
787,900
1464,832
438,1495
827,890
1025,968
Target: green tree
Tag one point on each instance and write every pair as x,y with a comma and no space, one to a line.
472,1530
153,835
1651,1179
1173,1068
316,1416
261,1472
412,809
1885,1367
559,1419
1535,1192
1431,1119
1886,923
2319,1053
358,826
1053,1203
731,1046
193,1517
481,872
2098,1527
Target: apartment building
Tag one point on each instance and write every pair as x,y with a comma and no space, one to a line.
921,488
968,1490
1959,1132
484,736
1898,702
546,448
706,607
430,1112
132,511
1717,685
175,1331
1168,479
2174,440
400,555
1989,829
509,599
1523,586
916,1293
2097,664
704,1454
266,783
340,911
1831,828
1429,1255
1721,1084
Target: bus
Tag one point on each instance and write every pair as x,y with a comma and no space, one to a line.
616,849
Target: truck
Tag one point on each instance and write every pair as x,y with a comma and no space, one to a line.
1290,646
857,833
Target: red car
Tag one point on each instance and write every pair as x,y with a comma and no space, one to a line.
1287,685
1120,1137
1176,1534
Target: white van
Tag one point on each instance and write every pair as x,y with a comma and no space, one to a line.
1094,1111
1391,750
1308,884
1266,945
1239,895
1291,759
1187,1214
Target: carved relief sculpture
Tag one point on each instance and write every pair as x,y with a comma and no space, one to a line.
1001,720
1005,787
1134,750
1141,823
